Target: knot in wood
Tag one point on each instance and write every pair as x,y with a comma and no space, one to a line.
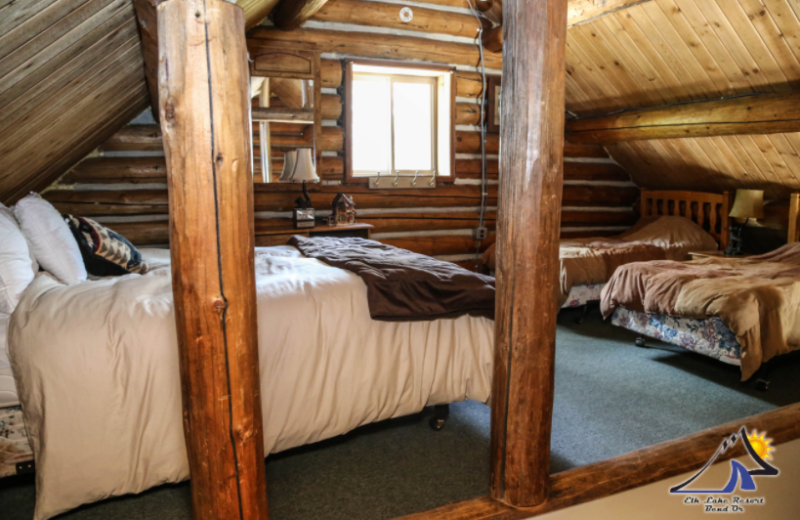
219,159
169,111
219,304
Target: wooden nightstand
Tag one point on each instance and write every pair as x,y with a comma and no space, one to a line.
696,255
267,235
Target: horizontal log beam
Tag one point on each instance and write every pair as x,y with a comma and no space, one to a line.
492,40
632,470
139,138
749,114
380,14
290,14
371,45
440,245
331,73
283,114
280,197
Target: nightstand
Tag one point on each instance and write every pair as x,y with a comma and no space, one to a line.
267,235
696,255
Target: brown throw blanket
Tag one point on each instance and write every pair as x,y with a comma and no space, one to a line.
401,285
758,298
587,261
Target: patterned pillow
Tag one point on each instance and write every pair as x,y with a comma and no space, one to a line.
105,252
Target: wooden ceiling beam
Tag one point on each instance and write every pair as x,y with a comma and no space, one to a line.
148,30
290,14
742,115
582,11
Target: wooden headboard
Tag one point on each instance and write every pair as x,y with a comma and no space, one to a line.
794,218
708,210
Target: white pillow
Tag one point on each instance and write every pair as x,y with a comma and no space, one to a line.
50,238
9,214
16,271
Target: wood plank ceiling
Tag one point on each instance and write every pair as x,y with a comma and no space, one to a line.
71,74
665,51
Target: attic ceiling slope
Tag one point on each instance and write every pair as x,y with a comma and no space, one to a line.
70,76
661,52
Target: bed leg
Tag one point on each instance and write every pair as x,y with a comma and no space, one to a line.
580,319
440,413
762,377
641,342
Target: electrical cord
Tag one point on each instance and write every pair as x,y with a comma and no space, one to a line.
484,187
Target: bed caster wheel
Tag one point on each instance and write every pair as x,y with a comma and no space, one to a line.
436,424
762,385
440,413
640,342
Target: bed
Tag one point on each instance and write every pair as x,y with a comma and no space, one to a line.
98,386
672,224
740,311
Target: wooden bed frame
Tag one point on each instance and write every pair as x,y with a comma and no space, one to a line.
708,210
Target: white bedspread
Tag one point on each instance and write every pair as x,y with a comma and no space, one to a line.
97,370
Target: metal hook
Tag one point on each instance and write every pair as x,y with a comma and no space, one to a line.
433,178
378,179
397,178
414,181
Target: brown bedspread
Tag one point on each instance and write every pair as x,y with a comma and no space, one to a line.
593,260
757,298
405,286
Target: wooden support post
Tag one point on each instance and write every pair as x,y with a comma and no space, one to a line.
204,106
531,160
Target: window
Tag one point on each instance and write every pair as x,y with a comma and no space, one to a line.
400,120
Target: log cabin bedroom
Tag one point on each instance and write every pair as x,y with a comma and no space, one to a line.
384,259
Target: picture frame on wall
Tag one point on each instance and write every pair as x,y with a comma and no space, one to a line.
493,102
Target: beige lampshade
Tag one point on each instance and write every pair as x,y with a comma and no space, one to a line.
748,204
289,159
304,170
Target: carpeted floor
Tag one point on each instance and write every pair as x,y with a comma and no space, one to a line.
610,398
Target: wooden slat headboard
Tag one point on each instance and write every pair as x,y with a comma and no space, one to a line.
794,218
708,210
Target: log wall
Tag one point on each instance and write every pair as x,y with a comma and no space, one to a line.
123,183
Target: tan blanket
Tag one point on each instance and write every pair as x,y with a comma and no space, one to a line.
758,298
593,260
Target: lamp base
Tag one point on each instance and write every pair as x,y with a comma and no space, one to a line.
735,246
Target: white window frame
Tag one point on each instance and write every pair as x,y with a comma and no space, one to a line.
442,83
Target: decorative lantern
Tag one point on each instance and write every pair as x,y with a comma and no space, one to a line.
343,211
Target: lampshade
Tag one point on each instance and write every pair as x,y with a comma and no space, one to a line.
304,170
748,204
289,159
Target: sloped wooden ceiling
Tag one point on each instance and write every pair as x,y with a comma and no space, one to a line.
659,52
71,74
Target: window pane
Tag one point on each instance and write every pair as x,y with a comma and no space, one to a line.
413,126
372,126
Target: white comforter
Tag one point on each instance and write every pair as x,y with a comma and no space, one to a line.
97,369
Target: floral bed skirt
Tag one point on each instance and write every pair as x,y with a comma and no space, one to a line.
15,451
709,337
583,294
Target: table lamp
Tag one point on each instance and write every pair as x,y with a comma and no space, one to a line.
304,171
747,204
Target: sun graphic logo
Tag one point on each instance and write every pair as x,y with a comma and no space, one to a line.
761,445
758,447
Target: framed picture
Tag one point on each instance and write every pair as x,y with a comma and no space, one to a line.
493,100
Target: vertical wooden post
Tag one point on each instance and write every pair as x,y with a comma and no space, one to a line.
531,178
205,117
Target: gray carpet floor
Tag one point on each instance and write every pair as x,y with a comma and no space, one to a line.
610,398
